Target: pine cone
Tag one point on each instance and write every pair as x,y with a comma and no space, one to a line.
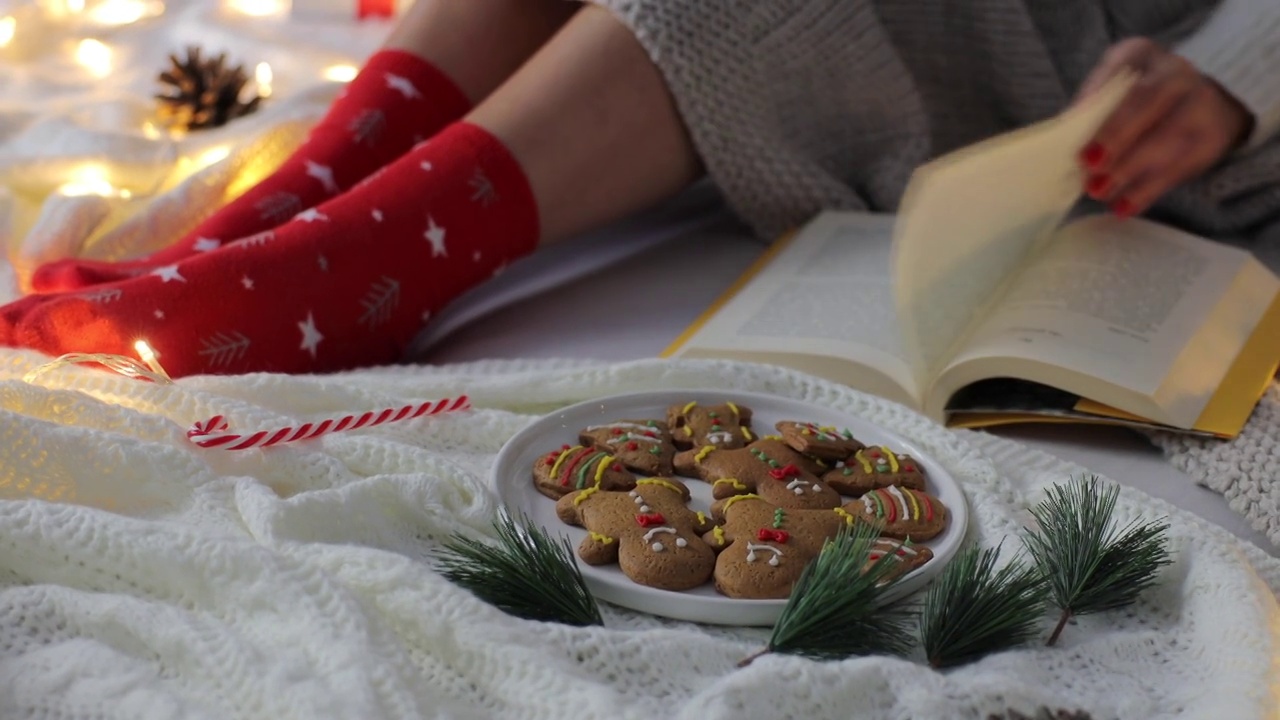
204,93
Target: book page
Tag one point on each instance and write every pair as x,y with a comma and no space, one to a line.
1127,305
970,219
827,294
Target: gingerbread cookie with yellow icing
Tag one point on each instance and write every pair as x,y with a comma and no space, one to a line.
767,467
727,425
575,467
875,467
820,441
764,548
902,512
649,531
905,557
643,446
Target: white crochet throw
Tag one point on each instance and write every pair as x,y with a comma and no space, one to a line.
141,577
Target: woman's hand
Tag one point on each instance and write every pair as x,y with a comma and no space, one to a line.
1173,125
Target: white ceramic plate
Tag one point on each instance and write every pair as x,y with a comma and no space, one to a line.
513,481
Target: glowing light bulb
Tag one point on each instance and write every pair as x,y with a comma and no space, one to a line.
125,12
263,76
75,7
259,8
95,57
89,180
8,25
212,155
340,73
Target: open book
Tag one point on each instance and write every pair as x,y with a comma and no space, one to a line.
987,300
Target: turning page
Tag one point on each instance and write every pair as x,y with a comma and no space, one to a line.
970,219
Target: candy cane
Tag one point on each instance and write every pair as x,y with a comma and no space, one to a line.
211,433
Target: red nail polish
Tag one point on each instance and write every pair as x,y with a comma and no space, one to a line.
1123,208
1097,185
1093,154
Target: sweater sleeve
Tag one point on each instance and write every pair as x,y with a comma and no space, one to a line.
1239,47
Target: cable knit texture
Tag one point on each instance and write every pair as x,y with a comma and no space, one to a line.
800,105
141,577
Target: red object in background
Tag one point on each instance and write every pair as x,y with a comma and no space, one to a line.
375,8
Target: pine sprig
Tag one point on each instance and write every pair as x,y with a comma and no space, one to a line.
973,609
1089,564
527,573
835,610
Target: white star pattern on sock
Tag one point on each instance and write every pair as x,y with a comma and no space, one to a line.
247,282
159,314
324,174
323,262
403,86
435,235
205,244
168,273
377,215
311,215
426,166
311,337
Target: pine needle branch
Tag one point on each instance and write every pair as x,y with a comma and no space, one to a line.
1090,565
835,609
973,609
527,573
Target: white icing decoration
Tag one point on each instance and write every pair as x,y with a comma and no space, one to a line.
719,438
644,508
658,547
894,491
636,495
866,503
621,425
681,542
816,487
632,438
654,531
753,547
798,491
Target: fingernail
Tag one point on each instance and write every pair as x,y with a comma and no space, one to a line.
1097,185
1093,154
1123,208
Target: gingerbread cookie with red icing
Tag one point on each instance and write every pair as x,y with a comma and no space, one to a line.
643,446
903,513
905,557
727,425
576,467
820,441
767,467
875,467
649,531
764,548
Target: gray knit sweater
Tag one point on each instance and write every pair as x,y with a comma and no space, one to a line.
800,105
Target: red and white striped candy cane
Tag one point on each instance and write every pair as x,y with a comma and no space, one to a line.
212,432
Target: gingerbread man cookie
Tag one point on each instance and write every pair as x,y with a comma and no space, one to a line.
649,531
766,467
641,445
726,426
903,513
764,548
822,442
875,467
575,467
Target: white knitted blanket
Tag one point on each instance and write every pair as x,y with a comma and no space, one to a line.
141,577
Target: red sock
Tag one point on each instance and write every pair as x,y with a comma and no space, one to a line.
347,283
397,100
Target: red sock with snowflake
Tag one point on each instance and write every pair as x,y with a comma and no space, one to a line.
347,283
397,100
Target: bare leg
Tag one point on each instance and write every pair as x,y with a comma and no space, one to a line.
479,43
592,124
